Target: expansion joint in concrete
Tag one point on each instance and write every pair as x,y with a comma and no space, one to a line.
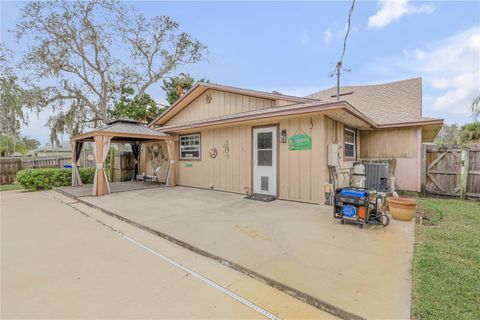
305,297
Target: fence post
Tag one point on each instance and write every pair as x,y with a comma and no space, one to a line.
465,155
423,170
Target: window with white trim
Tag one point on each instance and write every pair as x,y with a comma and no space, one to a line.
190,147
349,142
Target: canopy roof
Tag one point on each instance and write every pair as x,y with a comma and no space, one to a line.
124,129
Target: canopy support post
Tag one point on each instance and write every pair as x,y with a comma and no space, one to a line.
76,150
171,175
100,182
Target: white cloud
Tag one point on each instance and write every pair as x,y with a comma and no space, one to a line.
451,70
304,37
439,83
336,32
474,41
417,54
327,35
391,11
462,87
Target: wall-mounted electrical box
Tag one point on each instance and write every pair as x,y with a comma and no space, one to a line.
332,154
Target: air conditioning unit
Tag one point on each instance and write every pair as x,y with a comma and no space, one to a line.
375,174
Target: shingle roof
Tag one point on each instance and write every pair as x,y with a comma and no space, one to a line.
124,120
388,103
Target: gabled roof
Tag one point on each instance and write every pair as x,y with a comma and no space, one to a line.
330,108
124,128
387,104
395,104
201,87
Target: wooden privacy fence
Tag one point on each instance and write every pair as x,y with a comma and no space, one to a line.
121,165
451,171
8,169
46,162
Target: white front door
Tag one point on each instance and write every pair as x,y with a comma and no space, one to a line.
265,160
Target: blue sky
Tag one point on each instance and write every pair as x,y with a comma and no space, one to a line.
292,46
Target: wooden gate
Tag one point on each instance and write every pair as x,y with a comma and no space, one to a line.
121,166
472,179
451,171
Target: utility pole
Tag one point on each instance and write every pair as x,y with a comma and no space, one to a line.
338,67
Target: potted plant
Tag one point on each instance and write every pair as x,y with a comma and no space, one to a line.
402,208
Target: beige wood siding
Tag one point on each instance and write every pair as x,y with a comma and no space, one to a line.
220,173
389,143
400,147
334,134
300,172
221,104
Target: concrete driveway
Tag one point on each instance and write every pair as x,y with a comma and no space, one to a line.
363,272
62,259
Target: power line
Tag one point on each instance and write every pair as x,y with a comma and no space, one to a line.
339,65
347,33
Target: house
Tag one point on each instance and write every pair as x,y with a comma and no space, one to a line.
63,149
240,140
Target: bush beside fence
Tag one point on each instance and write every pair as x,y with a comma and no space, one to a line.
44,179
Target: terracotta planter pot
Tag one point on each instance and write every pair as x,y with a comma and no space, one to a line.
402,208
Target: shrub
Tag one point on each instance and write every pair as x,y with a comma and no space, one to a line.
43,179
87,175
469,133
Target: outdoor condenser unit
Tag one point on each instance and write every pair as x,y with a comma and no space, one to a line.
376,175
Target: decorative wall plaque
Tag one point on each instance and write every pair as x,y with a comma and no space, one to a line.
208,98
213,153
226,150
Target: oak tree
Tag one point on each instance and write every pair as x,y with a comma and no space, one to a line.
81,53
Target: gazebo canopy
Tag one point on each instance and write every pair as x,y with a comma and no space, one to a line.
119,131
124,129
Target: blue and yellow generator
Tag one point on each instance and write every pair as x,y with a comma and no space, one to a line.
359,206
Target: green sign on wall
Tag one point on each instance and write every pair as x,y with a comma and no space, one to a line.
188,164
300,142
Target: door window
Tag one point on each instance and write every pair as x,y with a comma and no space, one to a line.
264,149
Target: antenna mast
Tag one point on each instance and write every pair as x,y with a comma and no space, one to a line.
339,66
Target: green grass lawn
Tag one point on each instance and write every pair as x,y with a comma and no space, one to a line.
8,187
446,263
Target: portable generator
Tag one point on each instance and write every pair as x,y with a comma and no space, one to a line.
359,206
